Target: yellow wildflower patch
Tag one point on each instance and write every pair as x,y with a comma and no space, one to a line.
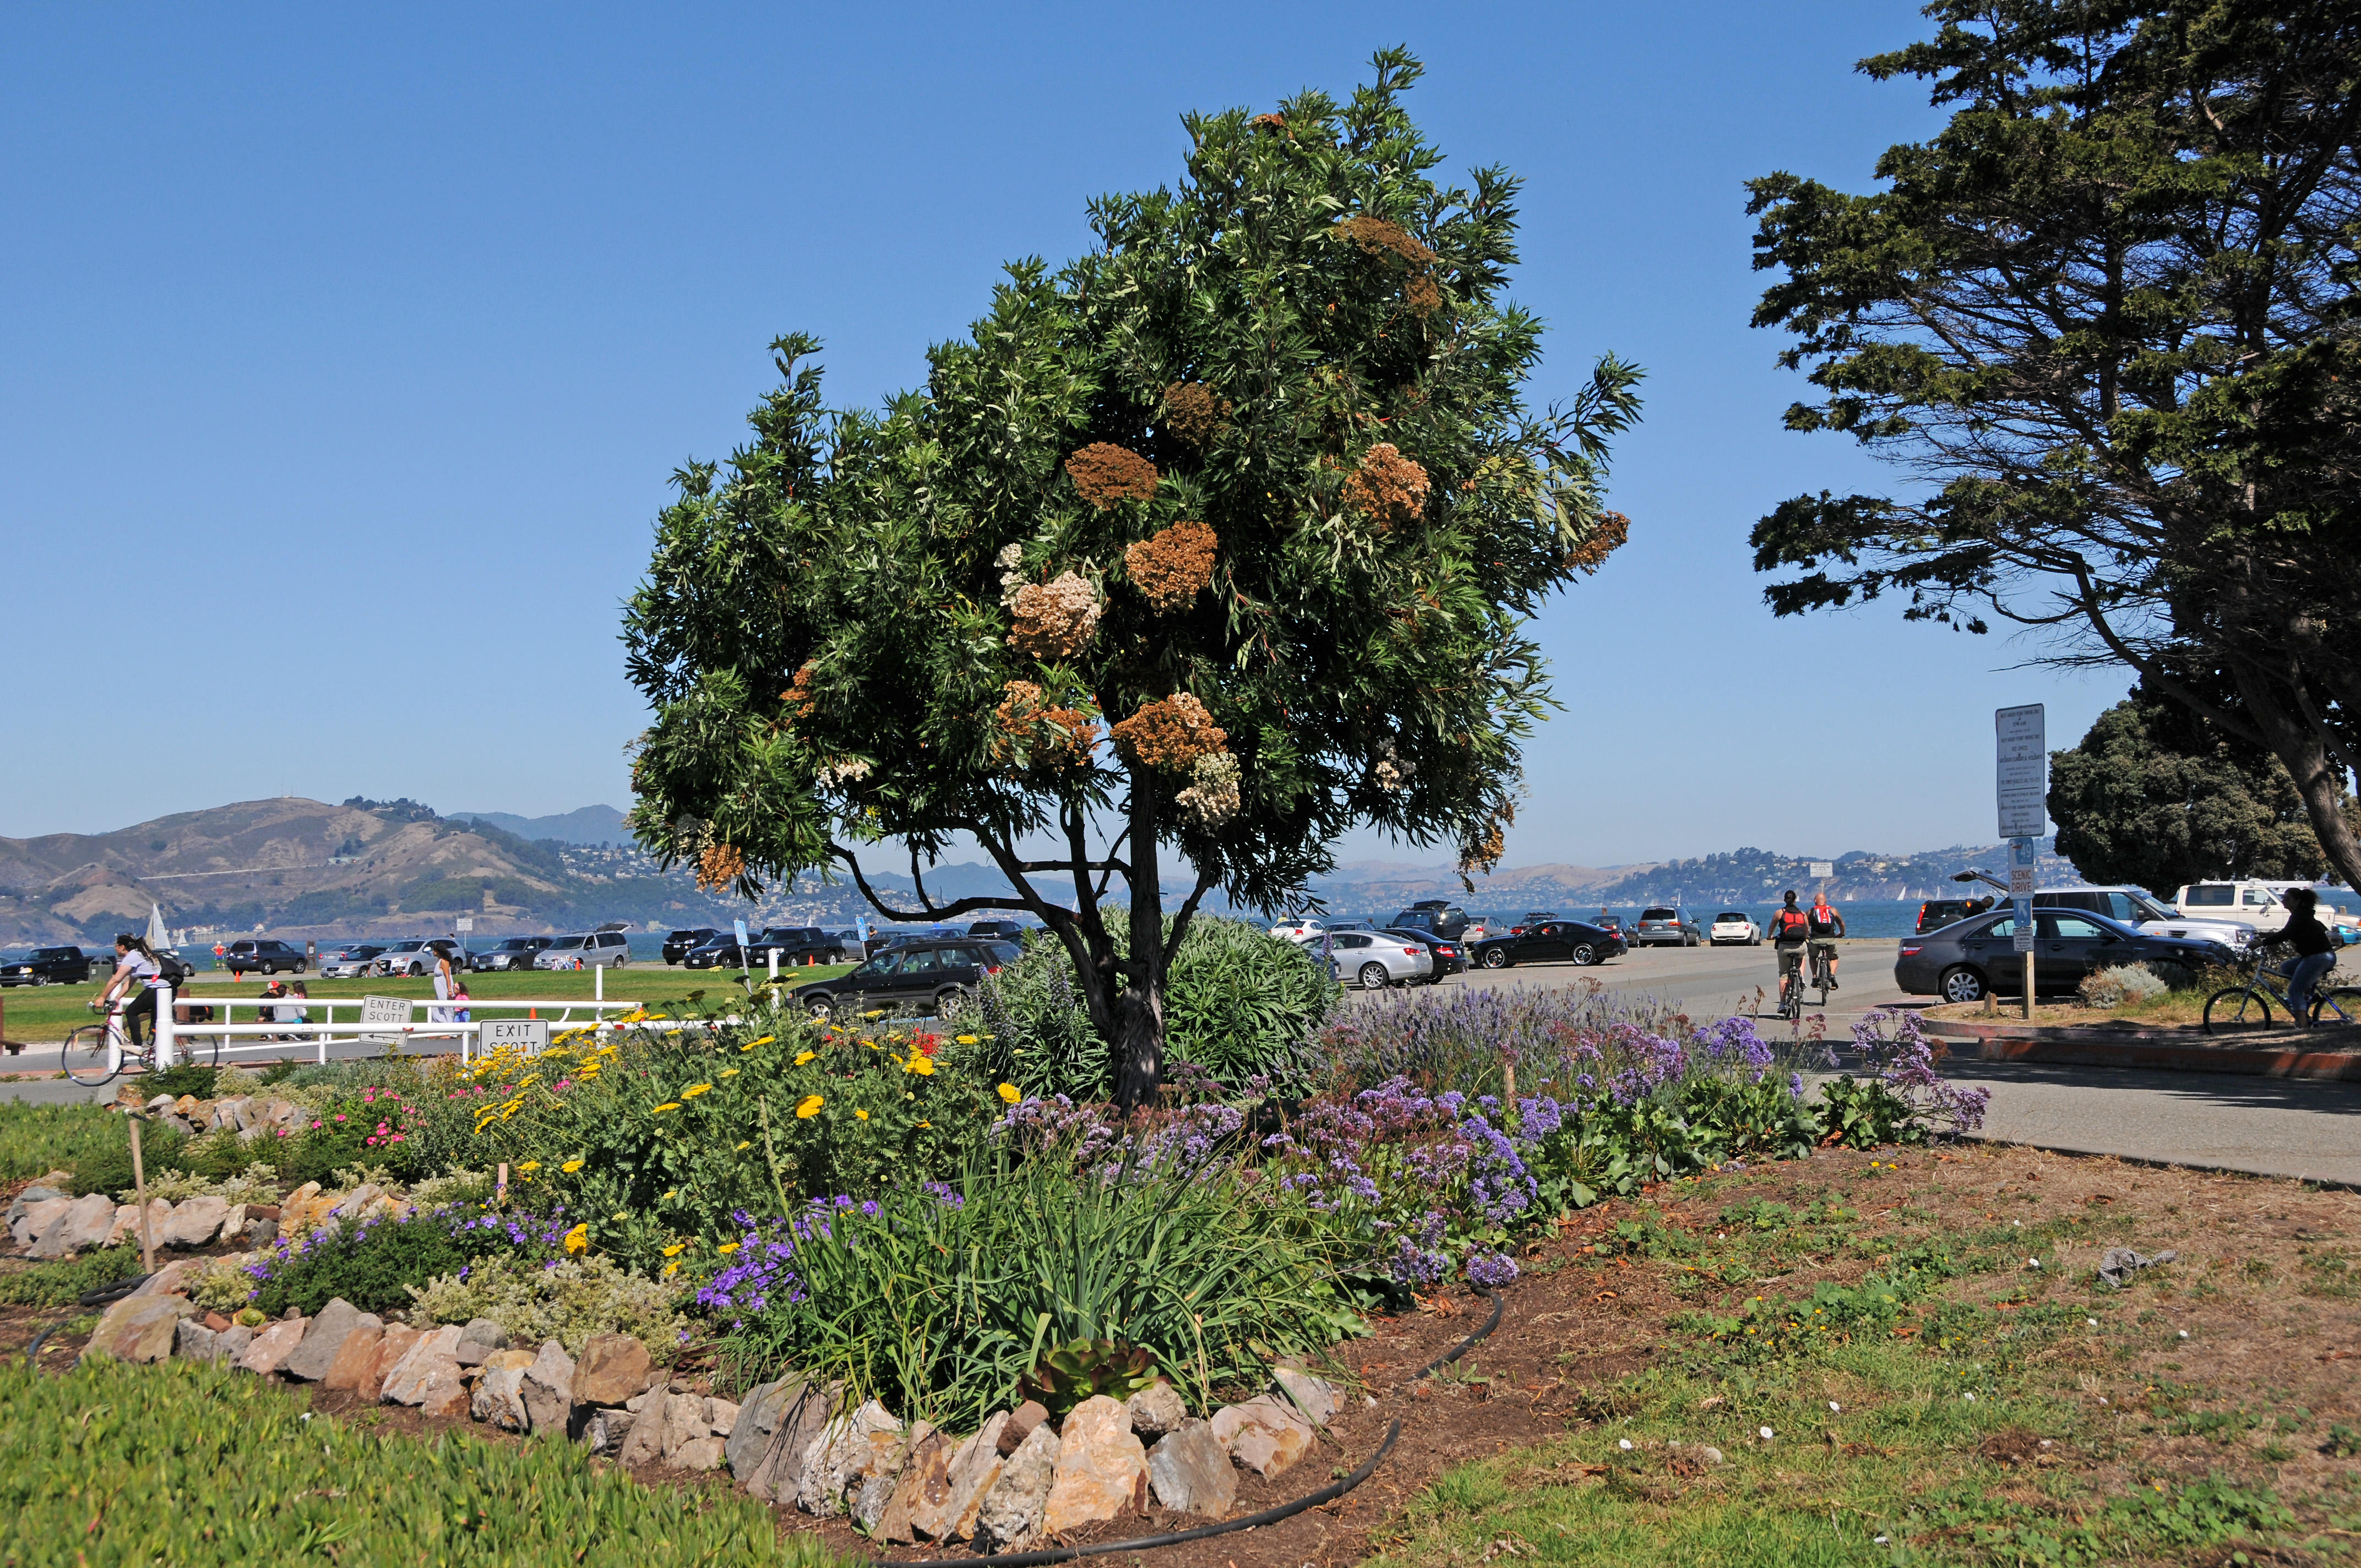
531,1164
725,1248
1010,1092
741,1149
577,1240
862,1115
667,1106
675,1249
694,1089
808,1055
571,1165
809,1107
966,1040
923,1066
727,1072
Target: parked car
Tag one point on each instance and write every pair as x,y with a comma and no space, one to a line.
416,955
516,953
997,930
798,945
677,945
590,949
1299,928
1532,918
263,954
1667,925
2130,906
1449,957
2252,902
1440,916
933,974
1937,912
1613,923
1560,941
348,961
47,966
1734,928
1376,959
1971,959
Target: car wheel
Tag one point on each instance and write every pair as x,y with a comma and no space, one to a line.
299,966
1584,954
821,1007
953,1005
622,961
417,972
1961,983
1495,959
1374,977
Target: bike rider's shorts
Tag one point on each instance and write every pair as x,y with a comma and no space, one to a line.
1823,945
1791,959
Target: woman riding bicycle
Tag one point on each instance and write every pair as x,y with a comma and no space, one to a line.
2313,958
136,965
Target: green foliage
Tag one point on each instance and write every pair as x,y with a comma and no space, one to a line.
37,1139
62,1284
369,1265
1068,1373
200,1465
104,1164
1863,1113
940,1305
188,1078
570,1303
1239,1004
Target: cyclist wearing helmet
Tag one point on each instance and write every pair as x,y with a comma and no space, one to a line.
1790,929
1826,926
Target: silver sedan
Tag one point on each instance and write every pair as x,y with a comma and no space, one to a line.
1375,960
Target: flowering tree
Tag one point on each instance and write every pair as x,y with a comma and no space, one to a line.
1214,544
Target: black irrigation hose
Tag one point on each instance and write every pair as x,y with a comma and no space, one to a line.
1287,1510
33,1350
107,1295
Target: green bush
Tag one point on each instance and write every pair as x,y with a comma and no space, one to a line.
1240,1003
37,1139
105,1165
62,1284
202,1466
570,1303
188,1078
368,1263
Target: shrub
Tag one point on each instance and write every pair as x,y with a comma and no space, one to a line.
37,1139
371,1262
257,1183
568,1301
2125,982
104,1164
62,1284
207,1467
1241,1004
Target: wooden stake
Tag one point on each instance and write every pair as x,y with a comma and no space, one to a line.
500,1187
1508,1094
2028,983
139,1190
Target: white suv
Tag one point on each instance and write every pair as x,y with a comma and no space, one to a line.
2132,908
585,950
2247,903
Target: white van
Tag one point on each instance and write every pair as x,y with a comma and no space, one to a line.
2136,909
2252,902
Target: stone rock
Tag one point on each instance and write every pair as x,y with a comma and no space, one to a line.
350,1369
260,1230
502,1360
757,1424
803,1411
847,1454
310,1360
193,1341
428,1354
83,1223
443,1394
1263,1434
136,1329
925,1482
1315,1400
1156,1409
355,1204
703,1453
271,1346
195,1221
172,1280
188,1105
230,1343
157,1104
232,1225
1021,1422
27,1222
606,1430
125,1232
1101,1472
293,1208
721,1417
40,1192
499,1399
1011,1513
613,1368
1190,1471
549,1387
395,1342
654,1394
478,1340
973,1466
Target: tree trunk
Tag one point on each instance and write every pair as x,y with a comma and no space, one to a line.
1138,1038
2318,777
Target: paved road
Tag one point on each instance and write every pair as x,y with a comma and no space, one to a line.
1713,983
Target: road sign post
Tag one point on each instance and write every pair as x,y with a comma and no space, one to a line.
2020,788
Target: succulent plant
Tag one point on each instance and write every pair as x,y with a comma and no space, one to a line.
1070,1373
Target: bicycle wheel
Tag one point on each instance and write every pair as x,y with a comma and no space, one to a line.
87,1057
2338,1009
2237,1009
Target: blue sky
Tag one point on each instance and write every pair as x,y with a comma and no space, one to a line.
344,358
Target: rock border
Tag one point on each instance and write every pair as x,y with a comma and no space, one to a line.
2168,1050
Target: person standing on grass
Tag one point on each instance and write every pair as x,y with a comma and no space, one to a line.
2313,958
442,987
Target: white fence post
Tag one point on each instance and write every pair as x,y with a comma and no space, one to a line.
167,1040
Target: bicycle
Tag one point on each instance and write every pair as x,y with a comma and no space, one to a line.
97,1052
1822,975
1791,991
2237,1008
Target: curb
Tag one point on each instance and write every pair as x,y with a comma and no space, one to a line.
2168,1050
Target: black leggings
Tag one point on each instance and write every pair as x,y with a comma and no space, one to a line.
142,1006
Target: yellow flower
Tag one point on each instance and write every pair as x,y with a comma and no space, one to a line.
926,1124
667,1106
1010,1092
966,1040
694,1089
809,1107
571,1165
529,1165
806,1057
725,1248
741,1149
860,1115
923,1066
727,1072
763,1041
672,1268
675,1249
579,1238
622,1214
671,1195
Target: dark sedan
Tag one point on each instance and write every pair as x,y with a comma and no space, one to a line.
516,953
941,976
1552,941
1975,958
1449,957
677,945
47,966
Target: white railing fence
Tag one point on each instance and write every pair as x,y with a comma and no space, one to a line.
384,1021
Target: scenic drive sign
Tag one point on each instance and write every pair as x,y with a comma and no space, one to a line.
2023,772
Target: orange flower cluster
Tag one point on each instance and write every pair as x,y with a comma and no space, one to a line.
1172,566
1606,536
1171,734
1387,487
1377,237
720,866
1193,414
1058,737
798,696
1107,474
1054,620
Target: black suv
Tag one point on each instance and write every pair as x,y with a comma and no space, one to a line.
1437,916
516,953
263,954
47,966
997,930
938,975
676,947
793,944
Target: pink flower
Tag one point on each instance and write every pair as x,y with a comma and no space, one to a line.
340,1116
397,1137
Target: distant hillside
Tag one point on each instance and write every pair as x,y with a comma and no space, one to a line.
590,825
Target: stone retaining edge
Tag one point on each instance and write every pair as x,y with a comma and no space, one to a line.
2158,1049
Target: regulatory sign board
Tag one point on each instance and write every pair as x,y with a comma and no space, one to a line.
1823,870
384,1012
521,1034
465,923
2023,778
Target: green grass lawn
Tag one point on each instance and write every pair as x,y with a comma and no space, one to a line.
43,1015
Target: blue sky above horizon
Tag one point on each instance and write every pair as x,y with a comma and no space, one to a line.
349,356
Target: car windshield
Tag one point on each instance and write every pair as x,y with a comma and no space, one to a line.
397,947
1656,914
516,944
1729,917
569,941
2220,892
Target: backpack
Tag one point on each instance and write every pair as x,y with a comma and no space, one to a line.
1790,926
173,970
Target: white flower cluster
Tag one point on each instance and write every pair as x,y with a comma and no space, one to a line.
1393,771
842,771
1211,797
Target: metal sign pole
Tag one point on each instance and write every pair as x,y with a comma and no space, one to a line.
2021,785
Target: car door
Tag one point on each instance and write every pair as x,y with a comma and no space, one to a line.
2067,945
1552,939
921,975
1991,948
866,986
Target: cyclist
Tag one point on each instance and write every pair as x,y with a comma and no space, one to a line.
1826,926
1789,931
135,965
2312,959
